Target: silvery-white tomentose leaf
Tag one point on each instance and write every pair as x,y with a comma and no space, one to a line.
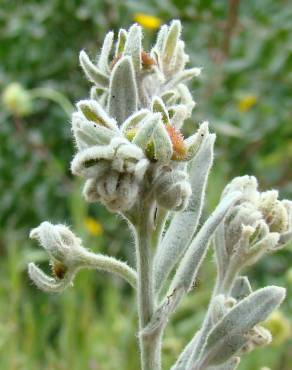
123,90
228,336
184,224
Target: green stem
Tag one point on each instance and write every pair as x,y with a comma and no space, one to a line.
229,278
161,219
201,336
109,264
223,285
55,96
149,345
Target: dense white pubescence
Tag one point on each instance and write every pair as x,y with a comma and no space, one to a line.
132,122
258,222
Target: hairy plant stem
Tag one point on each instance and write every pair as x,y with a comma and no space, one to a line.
109,264
229,278
223,285
201,336
161,218
150,345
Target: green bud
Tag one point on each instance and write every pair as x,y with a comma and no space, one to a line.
172,189
17,100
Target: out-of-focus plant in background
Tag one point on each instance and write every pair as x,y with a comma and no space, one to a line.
245,92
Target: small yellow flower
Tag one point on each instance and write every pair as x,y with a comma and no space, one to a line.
93,227
279,326
247,102
148,21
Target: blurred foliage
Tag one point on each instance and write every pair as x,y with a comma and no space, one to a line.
245,92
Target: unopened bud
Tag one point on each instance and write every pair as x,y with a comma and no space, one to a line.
274,211
258,336
172,189
59,241
117,191
17,100
245,184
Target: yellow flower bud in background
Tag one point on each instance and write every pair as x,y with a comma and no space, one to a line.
93,227
279,326
147,21
289,275
247,102
16,99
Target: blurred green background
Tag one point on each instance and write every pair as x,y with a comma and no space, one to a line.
245,92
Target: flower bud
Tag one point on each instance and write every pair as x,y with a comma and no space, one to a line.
64,250
245,184
120,155
58,240
92,162
172,189
260,223
241,215
274,211
220,306
17,100
258,336
117,191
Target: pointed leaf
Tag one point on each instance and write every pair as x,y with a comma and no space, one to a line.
162,144
47,283
146,130
194,142
169,97
184,224
133,121
228,336
241,288
123,90
171,41
157,50
120,46
133,46
94,112
179,114
87,133
184,76
92,72
181,58
186,98
159,107
191,262
103,60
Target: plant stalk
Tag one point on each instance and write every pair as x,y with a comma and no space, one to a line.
229,277
150,345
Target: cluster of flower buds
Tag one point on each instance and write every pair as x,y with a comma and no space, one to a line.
235,326
64,250
160,72
131,124
113,166
67,256
259,223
